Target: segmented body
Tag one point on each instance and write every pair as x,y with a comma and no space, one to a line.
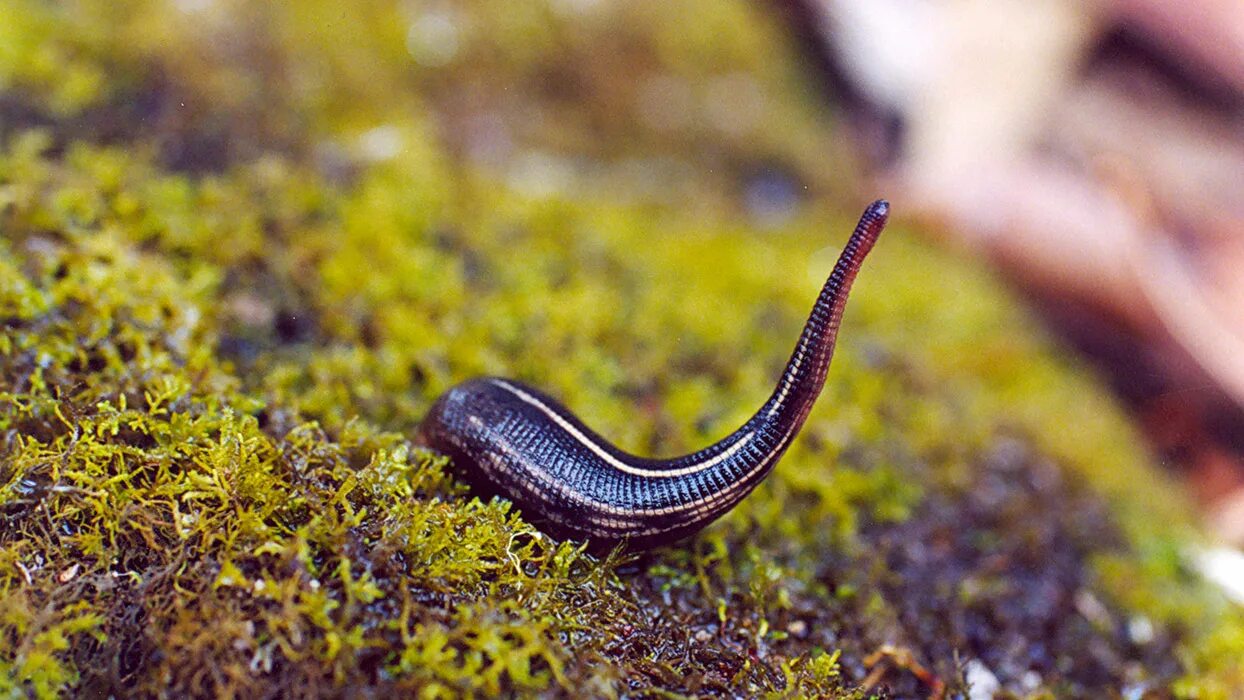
508,439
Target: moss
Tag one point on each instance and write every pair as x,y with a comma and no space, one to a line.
211,365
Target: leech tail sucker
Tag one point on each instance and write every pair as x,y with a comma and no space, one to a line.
511,440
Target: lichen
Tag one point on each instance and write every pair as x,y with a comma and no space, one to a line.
220,329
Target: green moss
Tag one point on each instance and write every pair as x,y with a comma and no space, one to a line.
220,331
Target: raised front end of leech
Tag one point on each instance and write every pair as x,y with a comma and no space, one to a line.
508,439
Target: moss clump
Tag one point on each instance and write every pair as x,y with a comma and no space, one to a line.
210,367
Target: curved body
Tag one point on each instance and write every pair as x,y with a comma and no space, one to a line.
511,440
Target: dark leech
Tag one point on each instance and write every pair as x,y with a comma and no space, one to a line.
509,439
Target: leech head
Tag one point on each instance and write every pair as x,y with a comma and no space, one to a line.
805,372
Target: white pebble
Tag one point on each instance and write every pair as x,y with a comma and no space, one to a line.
982,684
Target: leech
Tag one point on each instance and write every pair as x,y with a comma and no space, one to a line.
511,440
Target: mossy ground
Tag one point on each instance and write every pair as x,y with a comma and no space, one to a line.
244,247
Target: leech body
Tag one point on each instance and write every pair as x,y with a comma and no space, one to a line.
509,439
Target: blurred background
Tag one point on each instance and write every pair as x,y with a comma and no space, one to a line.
1093,152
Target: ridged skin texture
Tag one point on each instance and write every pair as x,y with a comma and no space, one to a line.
511,440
